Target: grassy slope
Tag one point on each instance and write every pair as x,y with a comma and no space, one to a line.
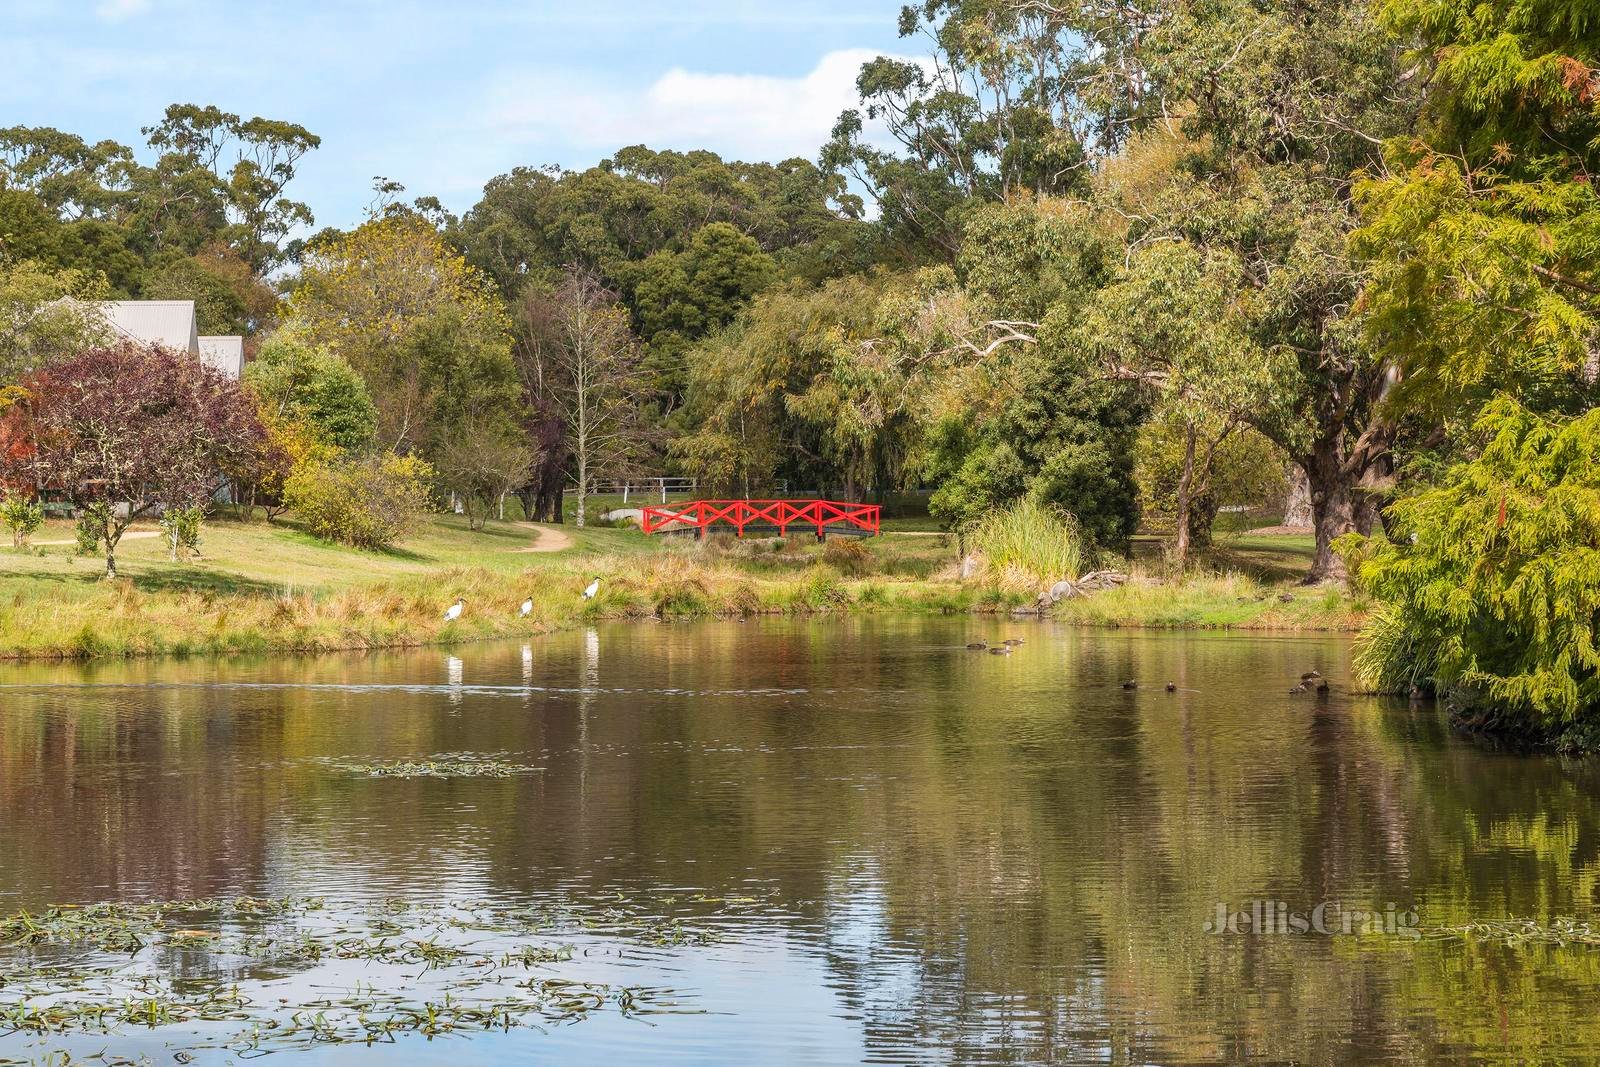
266,588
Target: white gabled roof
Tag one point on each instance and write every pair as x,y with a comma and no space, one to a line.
226,354
169,323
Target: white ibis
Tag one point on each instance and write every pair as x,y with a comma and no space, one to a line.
593,588
526,609
453,612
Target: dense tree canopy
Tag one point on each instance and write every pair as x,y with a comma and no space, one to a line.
421,326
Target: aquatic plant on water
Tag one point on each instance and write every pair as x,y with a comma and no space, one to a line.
428,969
434,767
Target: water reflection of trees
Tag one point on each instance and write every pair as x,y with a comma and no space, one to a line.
999,858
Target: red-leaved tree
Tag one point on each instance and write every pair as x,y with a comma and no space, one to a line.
126,430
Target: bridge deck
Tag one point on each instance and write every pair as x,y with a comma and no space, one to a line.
823,517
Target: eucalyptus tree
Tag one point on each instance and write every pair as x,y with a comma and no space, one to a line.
215,177
1265,113
1016,96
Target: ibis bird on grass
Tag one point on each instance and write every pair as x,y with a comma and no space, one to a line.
593,588
526,609
453,612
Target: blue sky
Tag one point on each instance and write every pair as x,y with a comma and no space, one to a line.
443,96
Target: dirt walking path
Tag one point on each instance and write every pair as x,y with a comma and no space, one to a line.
551,538
131,535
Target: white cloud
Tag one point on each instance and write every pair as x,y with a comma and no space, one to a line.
119,10
744,116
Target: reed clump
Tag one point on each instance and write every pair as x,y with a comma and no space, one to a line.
1029,542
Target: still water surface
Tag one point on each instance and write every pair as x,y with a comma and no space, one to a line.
933,855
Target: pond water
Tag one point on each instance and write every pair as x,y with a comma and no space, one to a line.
782,841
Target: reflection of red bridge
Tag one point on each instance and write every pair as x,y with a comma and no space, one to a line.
763,516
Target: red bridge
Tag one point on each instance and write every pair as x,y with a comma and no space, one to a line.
763,516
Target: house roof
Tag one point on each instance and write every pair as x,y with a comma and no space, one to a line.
169,323
226,354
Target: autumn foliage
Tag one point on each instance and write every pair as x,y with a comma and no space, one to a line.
130,425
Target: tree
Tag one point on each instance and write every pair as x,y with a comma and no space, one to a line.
1015,99
1479,231
533,222
423,329
588,359
681,297
251,161
482,466
45,316
1061,439
1170,322
1225,463
308,385
288,446
216,177
21,515
1490,584
228,297
126,430
31,231
1005,408
1256,115
759,403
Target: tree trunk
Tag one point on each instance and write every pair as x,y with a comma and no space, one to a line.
1202,517
1185,480
1335,507
1373,490
583,488
1297,510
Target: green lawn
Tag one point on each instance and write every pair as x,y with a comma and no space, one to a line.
261,555
1271,557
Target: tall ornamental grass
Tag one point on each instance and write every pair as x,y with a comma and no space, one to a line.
1032,540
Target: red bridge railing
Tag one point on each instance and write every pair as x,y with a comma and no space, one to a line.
823,516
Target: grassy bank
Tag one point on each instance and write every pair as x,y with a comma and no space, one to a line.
270,588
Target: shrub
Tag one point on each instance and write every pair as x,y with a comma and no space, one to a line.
91,528
846,555
364,501
1034,539
182,527
22,517
1490,586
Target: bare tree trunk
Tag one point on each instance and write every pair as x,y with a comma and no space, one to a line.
1334,509
583,482
1297,509
1185,480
